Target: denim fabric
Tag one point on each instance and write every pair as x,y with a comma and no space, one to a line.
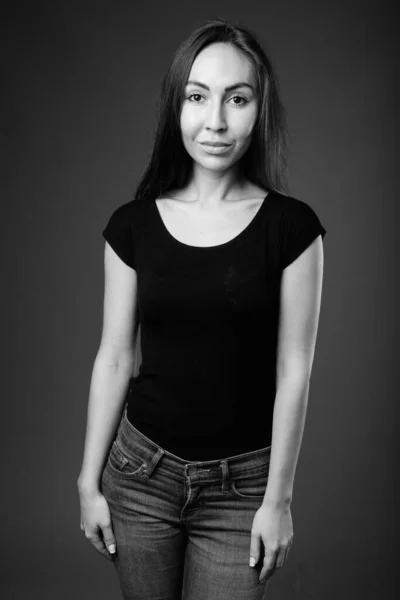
182,528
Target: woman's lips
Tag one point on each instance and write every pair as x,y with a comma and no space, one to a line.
216,149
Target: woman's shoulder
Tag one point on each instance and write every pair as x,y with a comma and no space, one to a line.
293,206
127,215
132,207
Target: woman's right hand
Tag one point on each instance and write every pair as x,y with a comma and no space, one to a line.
96,522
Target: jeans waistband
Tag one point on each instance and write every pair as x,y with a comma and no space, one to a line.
138,444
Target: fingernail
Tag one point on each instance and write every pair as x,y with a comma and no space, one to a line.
252,561
111,549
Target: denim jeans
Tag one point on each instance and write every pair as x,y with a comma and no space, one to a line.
182,528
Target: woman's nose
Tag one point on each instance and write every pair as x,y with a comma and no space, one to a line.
215,118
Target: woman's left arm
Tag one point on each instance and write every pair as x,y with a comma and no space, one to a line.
301,290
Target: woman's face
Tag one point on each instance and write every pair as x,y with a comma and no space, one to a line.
212,113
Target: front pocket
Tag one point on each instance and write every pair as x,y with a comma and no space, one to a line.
123,465
250,487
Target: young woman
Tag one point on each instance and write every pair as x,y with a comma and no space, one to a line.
188,470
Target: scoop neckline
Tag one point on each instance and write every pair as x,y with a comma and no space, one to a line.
215,246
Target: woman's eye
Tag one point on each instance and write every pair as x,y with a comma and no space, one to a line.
244,101
191,95
240,98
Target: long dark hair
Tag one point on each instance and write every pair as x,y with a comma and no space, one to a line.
264,162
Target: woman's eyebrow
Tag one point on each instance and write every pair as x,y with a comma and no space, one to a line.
227,89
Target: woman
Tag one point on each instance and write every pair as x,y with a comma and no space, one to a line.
188,471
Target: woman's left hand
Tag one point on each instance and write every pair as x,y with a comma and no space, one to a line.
273,526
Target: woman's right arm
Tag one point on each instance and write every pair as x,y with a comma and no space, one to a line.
112,368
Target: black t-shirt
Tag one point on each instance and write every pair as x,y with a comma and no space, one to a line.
209,326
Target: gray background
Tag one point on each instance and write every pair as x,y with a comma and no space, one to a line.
79,86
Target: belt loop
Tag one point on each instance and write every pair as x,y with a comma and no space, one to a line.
152,464
225,476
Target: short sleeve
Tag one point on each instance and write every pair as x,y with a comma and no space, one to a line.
118,233
300,227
